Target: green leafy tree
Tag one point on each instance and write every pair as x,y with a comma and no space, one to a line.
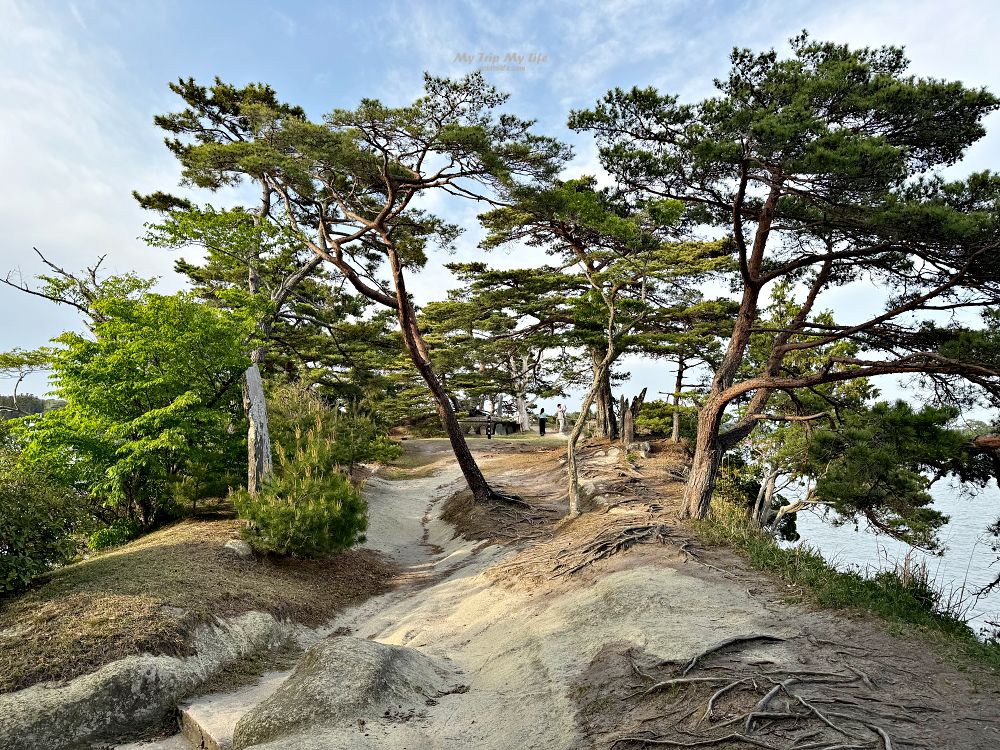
244,248
148,399
822,167
41,517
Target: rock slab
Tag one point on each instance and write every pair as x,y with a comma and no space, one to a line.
124,697
343,681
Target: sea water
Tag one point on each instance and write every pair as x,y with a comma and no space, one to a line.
965,564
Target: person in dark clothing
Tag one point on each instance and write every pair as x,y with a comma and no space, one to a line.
541,423
489,427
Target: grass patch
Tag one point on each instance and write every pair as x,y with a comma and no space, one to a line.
420,459
906,604
147,596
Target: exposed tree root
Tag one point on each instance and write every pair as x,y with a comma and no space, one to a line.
772,709
611,541
507,498
721,645
695,743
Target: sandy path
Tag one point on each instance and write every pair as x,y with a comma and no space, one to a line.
541,661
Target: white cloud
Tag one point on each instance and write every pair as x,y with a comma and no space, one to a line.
76,136
72,148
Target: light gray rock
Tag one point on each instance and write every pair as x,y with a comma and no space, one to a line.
239,548
337,683
209,721
125,696
644,448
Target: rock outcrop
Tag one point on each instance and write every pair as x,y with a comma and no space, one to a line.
127,695
345,682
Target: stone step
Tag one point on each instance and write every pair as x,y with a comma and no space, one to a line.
208,722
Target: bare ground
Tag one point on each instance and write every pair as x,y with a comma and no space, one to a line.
618,630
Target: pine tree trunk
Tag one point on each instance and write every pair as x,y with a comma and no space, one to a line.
675,434
419,354
521,398
708,454
481,491
522,413
574,437
762,507
607,425
259,461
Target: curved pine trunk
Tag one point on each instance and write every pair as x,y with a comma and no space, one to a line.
708,454
675,433
420,356
481,490
574,437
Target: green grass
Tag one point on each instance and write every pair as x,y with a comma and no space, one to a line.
907,604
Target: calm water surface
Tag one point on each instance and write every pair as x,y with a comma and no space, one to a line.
968,562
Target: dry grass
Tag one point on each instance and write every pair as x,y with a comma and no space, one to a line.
394,473
421,457
147,596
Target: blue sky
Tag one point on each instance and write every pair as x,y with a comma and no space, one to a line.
80,82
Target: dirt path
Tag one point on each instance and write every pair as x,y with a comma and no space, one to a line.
536,642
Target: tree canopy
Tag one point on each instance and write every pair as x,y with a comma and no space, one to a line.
823,168
149,399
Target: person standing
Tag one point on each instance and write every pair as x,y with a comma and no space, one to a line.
561,417
541,423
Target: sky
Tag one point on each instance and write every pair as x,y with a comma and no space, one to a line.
81,81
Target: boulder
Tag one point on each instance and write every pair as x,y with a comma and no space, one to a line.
239,548
340,681
126,696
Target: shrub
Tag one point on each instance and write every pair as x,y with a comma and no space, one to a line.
119,532
657,418
308,507
38,520
353,437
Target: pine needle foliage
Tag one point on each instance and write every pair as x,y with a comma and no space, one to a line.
309,507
